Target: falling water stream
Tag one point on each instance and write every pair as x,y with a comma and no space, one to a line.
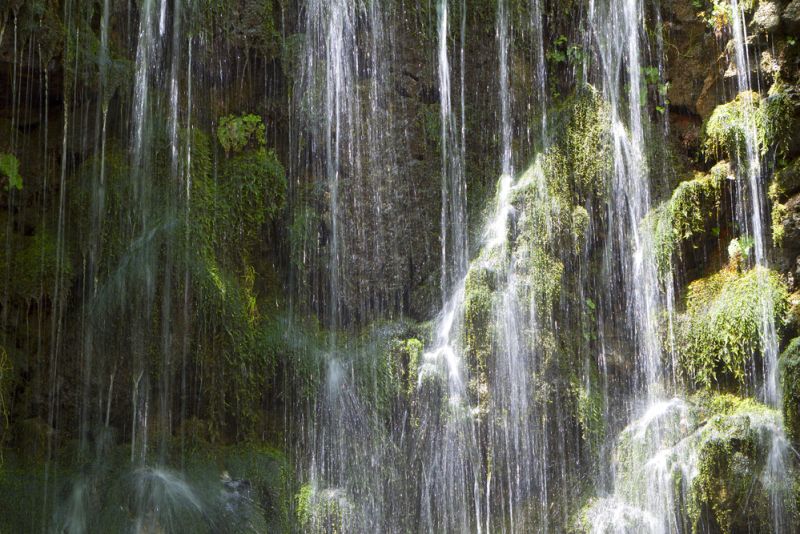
393,363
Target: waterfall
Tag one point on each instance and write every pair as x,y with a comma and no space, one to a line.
395,266
749,171
454,188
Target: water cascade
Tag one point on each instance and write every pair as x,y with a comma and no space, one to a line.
399,266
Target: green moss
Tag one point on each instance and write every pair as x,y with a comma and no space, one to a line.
785,183
726,129
790,383
692,208
9,166
238,345
228,212
478,317
406,354
589,410
245,24
236,132
588,144
577,167
695,201
775,120
268,472
253,190
719,333
36,266
729,492
323,511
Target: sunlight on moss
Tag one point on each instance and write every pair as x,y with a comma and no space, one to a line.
719,334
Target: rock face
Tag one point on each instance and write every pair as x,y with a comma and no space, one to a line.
791,16
693,71
790,250
234,338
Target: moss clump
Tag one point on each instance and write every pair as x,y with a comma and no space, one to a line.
785,183
236,132
35,266
590,404
246,24
588,144
253,191
693,206
790,383
775,120
719,333
478,317
730,492
579,165
9,167
727,128
405,354
323,512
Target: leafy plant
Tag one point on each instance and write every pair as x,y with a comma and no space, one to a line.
236,132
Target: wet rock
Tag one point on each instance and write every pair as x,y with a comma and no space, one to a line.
791,16
790,381
790,251
767,17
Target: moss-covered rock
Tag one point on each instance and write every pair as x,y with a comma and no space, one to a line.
406,354
36,266
697,465
790,382
731,491
693,207
325,511
729,125
577,166
720,332
776,119
479,317
770,121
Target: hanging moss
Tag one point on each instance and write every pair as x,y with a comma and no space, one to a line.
478,317
719,334
253,191
578,166
323,511
730,492
246,24
9,167
588,144
727,128
785,183
790,383
692,208
35,266
775,120
589,410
